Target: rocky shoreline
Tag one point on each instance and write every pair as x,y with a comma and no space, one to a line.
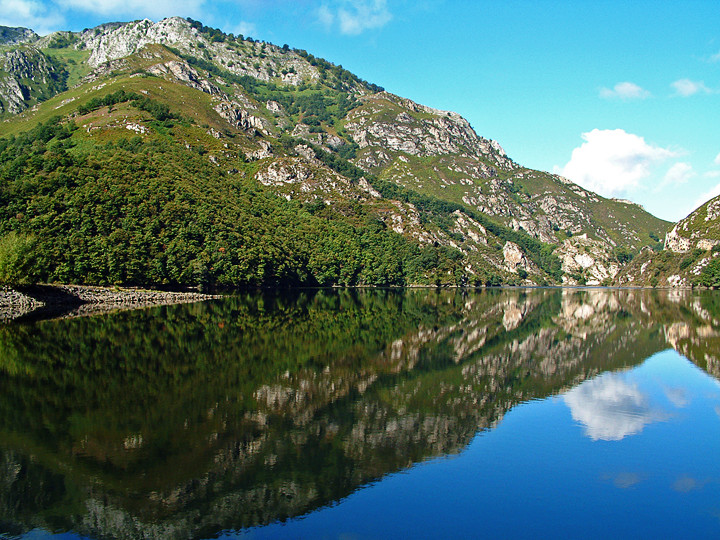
61,301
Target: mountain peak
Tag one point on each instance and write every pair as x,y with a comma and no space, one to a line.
16,35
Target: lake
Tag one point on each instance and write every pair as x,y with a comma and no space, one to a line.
508,413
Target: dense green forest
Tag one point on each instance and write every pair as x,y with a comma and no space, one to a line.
147,211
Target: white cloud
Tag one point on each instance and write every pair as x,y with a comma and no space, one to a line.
610,408
624,90
677,396
687,88
715,57
325,16
679,173
31,14
137,9
717,159
612,161
354,16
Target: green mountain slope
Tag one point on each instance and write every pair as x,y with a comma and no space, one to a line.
173,153
691,256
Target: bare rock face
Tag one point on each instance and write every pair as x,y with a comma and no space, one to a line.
110,42
701,229
259,60
418,130
588,260
514,257
12,96
21,70
675,242
185,74
274,107
239,117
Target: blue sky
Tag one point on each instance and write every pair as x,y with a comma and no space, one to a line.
621,97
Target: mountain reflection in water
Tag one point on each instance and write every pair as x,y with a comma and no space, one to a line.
185,421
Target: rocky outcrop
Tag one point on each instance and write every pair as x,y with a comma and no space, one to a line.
26,73
701,229
113,41
514,257
259,60
418,130
238,116
53,301
586,261
16,35
675,242
182,72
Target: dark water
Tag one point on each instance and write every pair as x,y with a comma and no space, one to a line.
367,414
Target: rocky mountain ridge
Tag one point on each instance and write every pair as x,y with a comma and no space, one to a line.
319,133
691,256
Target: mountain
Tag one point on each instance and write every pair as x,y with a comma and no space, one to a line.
174,153
691,256
16,35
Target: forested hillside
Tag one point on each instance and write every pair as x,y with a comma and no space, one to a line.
173,153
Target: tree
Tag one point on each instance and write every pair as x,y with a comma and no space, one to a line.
16,252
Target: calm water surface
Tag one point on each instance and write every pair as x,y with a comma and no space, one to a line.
367,414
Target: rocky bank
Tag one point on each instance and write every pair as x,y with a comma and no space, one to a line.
51,301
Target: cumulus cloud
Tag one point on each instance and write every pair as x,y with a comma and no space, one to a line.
610,408
612,161
353,17
136,8
624,90
687,88
30,14
679,173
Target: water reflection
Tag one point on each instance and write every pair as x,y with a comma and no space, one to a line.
182,421
611,408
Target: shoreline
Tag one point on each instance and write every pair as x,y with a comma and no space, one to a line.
39,302
57,301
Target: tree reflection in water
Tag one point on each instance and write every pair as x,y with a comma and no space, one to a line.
182,421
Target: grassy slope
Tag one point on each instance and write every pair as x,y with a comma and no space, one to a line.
106,126
438,176
438,180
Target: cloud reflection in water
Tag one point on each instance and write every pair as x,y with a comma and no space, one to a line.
611,408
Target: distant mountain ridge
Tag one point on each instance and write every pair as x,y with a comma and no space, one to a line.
308,132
